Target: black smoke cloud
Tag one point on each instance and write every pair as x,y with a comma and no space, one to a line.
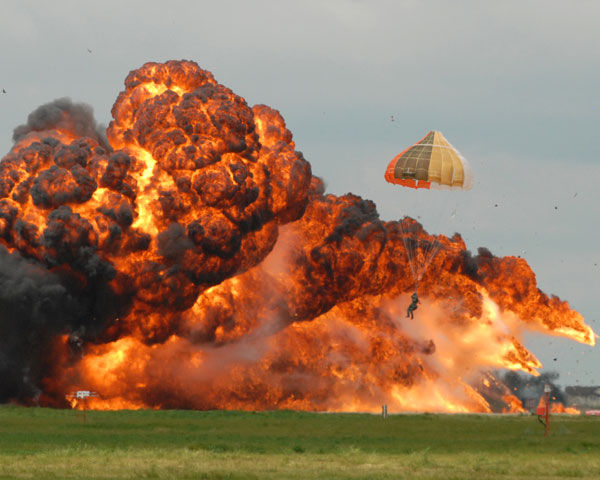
526,387
37,304
63,114
34,306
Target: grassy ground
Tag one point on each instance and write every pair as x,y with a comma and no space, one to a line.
43,443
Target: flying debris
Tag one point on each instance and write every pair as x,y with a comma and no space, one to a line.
3,91
89,51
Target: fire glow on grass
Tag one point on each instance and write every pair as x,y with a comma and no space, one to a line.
189,259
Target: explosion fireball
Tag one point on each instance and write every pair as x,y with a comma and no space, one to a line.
187,258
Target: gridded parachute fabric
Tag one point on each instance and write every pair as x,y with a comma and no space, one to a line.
432,162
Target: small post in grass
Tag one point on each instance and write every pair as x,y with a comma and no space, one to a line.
384,411
83,396
543,410
547,424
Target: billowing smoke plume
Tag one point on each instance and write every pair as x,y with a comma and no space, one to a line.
528,388
36,305
195,262
62,115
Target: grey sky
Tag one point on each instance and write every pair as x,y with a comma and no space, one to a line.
512,85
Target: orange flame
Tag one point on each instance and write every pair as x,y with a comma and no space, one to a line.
556,407
514,405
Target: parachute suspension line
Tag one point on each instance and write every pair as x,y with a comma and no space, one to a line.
430,252
409,251
419,258
419,254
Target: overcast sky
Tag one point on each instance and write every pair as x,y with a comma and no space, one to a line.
513,85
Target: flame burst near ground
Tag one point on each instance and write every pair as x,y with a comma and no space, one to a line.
185,257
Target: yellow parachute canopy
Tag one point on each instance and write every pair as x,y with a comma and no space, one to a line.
432,162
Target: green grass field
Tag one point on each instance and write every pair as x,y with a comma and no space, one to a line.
44,443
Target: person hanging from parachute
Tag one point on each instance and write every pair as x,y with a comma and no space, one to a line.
413,305
431,163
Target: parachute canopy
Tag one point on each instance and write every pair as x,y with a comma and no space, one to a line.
430,163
